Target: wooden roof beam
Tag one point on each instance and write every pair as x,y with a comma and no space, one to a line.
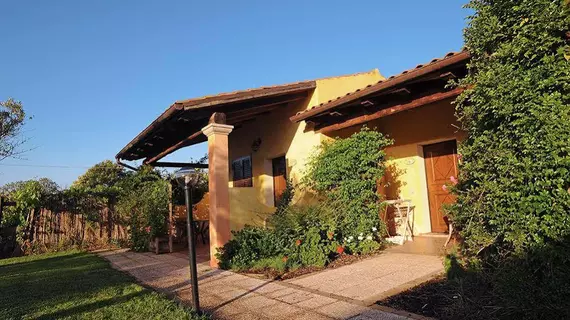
173,148
402,79
165,164
391,110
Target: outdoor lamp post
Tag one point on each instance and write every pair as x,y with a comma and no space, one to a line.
188,177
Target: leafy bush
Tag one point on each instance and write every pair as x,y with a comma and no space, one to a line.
512,195
286,198
273,264
291,224
144,205
313,250
513,199
248,246
345,172
28,195
363,243
310,233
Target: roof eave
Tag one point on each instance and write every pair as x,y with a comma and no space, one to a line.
213,101
163,117
384,85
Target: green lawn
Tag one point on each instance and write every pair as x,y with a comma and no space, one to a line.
77,285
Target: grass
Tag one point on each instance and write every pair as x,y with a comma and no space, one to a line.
77,285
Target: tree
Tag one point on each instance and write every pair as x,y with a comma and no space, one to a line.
103,183
12,119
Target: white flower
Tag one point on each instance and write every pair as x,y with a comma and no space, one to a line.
374,229
369,237
350,238
361,234
360,237
344,238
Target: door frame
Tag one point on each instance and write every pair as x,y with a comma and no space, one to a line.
423,173
423,145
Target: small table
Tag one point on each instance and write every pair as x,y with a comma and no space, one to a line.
399,205
201,228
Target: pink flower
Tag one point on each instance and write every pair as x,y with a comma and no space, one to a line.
147,229
444,187
453,180
459,156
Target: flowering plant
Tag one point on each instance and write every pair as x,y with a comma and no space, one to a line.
363,243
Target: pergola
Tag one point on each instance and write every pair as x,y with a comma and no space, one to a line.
211,119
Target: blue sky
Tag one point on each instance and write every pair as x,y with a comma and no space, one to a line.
93,74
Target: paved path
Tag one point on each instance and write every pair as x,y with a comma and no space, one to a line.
373,279
228,295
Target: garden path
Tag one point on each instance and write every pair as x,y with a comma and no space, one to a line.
228,295
375,278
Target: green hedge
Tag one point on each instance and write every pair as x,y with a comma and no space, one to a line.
513,192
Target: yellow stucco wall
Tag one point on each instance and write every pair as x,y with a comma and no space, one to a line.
411,130
281,137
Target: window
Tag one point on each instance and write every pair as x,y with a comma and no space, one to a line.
242,172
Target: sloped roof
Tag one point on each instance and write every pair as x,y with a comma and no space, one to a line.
409,75
193,114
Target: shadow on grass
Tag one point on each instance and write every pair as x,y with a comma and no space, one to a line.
71,284
26,261
89,307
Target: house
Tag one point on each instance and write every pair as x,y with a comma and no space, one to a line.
258,138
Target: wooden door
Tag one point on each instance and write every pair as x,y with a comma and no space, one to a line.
279,178
441,164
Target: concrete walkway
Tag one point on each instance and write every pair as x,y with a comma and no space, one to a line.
332,294
373,279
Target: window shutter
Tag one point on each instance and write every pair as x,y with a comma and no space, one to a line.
242,172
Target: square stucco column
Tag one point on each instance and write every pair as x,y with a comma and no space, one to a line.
218,174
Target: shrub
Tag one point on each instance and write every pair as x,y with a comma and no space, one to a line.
248,246
346,172
312,250
276,264
144,205
512,195
139,235
286,198
310,233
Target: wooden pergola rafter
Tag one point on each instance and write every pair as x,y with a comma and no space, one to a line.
411,89
180,125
